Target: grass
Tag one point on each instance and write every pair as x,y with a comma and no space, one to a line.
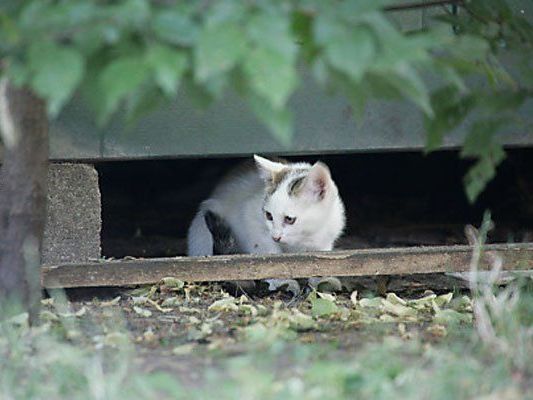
58,360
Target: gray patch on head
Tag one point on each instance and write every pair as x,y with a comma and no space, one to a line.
274,182
295,186
283,176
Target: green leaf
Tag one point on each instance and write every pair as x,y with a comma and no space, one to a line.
198,95
222,12
279,121
118,79
219,49
270,65
56,73
480,143
327,29
143,100
31,13
354,9
302,28
406,79
272,31
451,317
523,27
470,47
175,28
17,72
271,75
168,65
450,110
216,85
321,307
480,140
130,13
501,100
448,75
352,53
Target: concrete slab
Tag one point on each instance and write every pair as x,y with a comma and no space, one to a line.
74,222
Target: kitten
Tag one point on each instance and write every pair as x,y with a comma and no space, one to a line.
274,207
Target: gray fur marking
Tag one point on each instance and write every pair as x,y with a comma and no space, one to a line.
224,242
284,176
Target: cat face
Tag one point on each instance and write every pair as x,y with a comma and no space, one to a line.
299,200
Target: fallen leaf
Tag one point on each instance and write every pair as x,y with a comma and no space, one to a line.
463,304
116,339
198,334
220,344
388,318
300,321
110,302
397,309
224,305
374,302
143,312
261,310
140,300
451,317
172,284
444,299
80,313
437,330
171,302
73,334
158,307
247,309
353,297
141,291
321,307
401,329
183,349
394,299
326,296
185,309
149,335
48,316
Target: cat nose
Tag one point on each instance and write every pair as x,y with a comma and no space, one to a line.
276,238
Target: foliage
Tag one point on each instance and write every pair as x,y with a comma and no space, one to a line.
136,54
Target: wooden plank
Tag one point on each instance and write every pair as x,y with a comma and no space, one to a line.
397,261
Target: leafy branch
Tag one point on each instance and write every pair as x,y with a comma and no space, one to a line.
132,55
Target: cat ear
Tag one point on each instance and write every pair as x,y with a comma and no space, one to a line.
268,169
318,181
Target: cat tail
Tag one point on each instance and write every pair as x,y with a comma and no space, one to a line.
199,238
224,241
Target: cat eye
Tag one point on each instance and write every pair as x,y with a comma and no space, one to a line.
268,216
289,220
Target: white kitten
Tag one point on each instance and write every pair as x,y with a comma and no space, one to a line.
275,207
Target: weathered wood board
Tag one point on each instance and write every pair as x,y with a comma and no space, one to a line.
367,262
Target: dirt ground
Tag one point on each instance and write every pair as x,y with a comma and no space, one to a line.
189,329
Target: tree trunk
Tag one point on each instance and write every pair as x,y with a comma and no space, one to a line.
23,188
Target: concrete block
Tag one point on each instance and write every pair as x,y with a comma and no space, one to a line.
73,225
